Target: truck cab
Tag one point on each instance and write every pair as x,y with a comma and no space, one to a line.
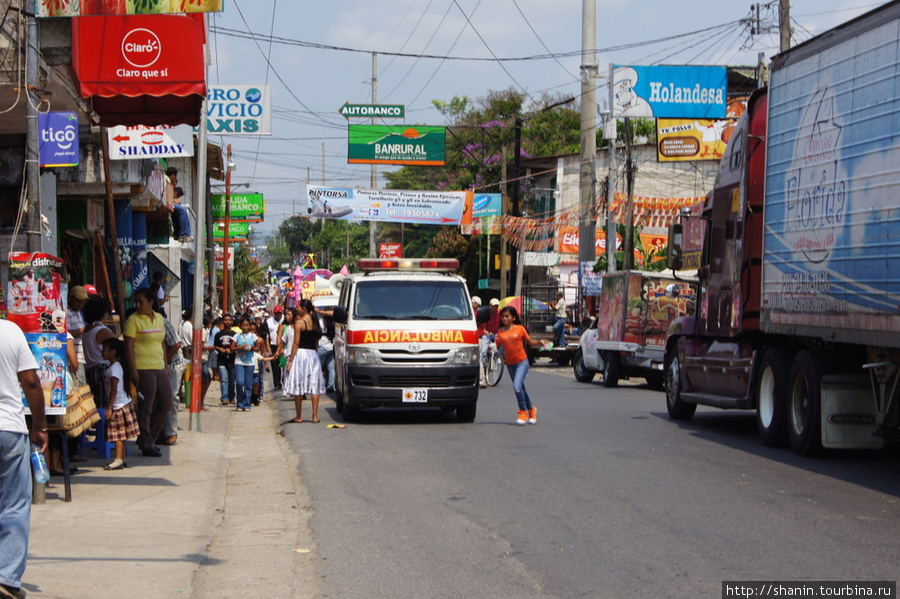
405,336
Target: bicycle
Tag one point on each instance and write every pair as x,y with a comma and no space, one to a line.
493,364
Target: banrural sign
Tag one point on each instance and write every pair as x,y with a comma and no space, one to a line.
384,111
245,207
239,109
386,144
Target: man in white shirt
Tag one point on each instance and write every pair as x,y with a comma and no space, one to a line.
18,372
273,322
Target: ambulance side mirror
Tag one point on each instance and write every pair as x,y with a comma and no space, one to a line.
483,315
340,315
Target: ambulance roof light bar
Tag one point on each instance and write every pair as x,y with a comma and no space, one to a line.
405,264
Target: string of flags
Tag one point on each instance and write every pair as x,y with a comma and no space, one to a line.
539,234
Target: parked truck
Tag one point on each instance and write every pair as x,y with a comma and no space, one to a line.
628,336
798,250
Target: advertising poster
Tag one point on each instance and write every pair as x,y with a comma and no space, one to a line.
36,293
49,351
393,205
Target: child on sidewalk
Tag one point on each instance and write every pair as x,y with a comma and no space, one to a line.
121,421
512,338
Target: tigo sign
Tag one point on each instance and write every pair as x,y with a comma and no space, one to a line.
58,138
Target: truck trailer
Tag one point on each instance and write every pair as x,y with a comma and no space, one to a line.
798,251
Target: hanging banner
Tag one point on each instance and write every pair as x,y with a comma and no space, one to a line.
58,138
245,207
36,293
394,205
680,92
74,8
396,144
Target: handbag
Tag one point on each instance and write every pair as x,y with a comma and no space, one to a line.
282,361
81,412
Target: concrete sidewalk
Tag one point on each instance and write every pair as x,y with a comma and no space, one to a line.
222,514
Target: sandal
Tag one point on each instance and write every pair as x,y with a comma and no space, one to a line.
315,421
297,420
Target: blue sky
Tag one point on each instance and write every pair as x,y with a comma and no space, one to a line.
318,55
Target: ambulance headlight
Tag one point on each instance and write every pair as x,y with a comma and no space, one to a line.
361,355
466,356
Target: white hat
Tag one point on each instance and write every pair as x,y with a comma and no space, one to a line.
495,301
476,300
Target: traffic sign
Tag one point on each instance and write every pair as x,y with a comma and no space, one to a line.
369,111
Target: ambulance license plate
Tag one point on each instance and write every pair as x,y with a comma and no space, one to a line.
415,395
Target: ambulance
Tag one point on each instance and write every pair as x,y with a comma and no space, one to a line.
405,336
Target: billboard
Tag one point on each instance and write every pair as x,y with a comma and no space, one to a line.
396,144
682,92
697,139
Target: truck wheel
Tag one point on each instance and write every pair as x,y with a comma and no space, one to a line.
350,413
466,413
771,397
583,374
804,422
612,369
678,408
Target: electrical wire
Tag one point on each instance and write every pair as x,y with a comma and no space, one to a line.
527,22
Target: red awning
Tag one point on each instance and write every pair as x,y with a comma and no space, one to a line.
140,69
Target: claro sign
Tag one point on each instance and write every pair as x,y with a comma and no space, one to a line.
239,110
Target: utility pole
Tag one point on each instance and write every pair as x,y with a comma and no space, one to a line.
628,242
504,283
612,179
784,25
32,163
226,278
588,171
373,226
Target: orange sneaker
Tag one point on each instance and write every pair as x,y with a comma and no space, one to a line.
523,417
532,415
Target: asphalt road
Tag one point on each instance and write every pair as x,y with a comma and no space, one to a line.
604,497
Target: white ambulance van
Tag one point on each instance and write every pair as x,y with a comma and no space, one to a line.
405,336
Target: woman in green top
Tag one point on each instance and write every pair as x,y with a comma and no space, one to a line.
145,334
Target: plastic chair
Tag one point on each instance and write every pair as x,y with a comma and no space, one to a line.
100,444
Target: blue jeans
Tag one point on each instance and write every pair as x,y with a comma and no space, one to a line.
181,222
559,329
226,382
15,506
243,376
518,372
326,357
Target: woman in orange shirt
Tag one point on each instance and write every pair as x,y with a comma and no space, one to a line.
512,338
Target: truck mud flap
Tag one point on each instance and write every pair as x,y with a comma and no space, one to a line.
849,418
